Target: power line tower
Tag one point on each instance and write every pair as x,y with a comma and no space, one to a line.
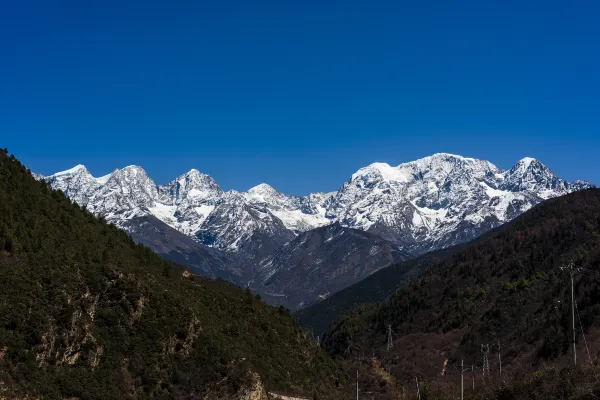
572,270
485,349
390,344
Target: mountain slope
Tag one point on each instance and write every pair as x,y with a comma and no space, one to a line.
174,245
380,285
320,262
376,287
509,287
87,313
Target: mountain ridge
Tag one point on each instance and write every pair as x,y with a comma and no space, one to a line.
419,204
416,207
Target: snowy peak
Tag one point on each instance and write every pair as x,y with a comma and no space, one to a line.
436,167
77,183
72,171
130,179
531,175
432,202
266,194
127,193
383,171
192,188
262,189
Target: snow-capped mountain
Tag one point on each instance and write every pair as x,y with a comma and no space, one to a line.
298,213
441,200
430,203
252,223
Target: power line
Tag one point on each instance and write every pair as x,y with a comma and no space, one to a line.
571,269
583,334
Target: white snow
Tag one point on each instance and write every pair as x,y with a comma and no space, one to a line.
103,179
71,171
451,188
297,220
526,161
164,213
389,173
491,192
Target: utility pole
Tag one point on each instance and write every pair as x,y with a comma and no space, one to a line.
571,269
390,344
572,272
499,359
473,376
462,370
356,384
418,392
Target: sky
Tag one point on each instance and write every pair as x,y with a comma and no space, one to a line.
298,94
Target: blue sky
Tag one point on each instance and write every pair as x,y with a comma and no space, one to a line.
298,94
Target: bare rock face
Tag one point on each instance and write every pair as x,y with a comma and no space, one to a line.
254,392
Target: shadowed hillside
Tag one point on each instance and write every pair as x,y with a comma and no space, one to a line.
508,288
86,313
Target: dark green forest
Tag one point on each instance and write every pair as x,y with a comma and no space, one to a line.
507,289
86,313
378,286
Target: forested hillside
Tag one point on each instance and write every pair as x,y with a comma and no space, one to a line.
382,284
507,289
85,313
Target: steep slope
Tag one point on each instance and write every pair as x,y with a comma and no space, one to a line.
509,288
87,313
319,316
379,286
321,262
250,232
174,245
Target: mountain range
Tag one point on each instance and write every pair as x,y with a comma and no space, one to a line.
266,239
511,289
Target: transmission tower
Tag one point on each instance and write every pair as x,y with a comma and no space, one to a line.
390,344
572,270
485,349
